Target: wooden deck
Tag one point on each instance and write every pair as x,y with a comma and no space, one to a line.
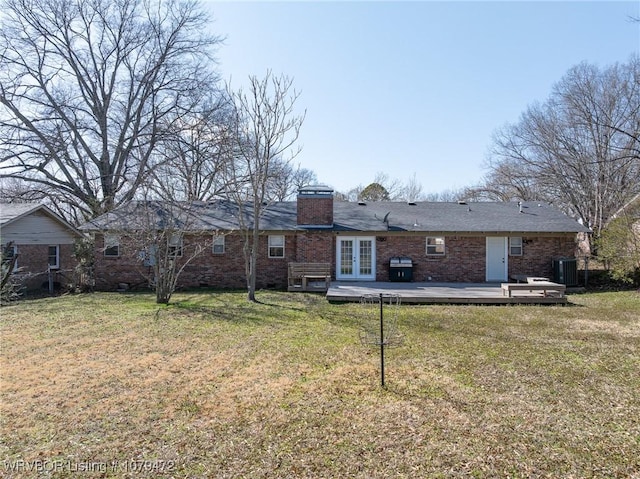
432,293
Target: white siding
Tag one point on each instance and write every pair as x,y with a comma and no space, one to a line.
37,228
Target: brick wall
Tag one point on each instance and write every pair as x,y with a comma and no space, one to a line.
315,209
34,265
464,260
465,257
109,271
539,252
316,247
225,270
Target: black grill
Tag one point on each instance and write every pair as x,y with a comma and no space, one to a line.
400,268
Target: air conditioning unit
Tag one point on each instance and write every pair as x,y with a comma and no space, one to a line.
565,271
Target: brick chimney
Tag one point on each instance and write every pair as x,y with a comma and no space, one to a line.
315,206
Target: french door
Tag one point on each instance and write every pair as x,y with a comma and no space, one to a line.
356,258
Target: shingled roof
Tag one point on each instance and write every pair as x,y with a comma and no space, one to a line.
441,217
473,217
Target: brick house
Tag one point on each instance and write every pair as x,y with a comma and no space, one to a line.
42,241
447,242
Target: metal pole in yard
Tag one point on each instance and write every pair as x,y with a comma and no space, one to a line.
381,344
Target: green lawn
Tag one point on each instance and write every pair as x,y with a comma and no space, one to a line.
111,385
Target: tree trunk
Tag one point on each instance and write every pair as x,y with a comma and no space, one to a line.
162,297
253,260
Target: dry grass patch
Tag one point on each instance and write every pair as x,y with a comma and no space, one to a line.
224,388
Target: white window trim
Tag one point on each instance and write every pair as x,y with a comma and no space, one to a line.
57,265
111,241
218,240
512,246
427,245
175,241
269,246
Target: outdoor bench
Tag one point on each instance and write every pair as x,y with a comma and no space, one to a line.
309,276
545,286
523,278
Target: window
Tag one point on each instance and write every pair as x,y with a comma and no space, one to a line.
435,245
515,246
175,245
54,257
111,245
218,244
276,246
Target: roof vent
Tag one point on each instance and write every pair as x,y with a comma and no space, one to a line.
362,203
462,202
411,203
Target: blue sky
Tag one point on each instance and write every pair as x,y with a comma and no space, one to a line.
415,87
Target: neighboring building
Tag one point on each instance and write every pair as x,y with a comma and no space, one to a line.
447,242
42,241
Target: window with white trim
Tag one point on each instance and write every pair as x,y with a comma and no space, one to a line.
435,245
54,257
276,246
515,246
218,244
175,245
111,245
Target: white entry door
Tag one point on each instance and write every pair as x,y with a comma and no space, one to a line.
356,258
497,267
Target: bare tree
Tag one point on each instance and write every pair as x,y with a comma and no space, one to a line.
351,195
9,285
167,225
393,186
286,179
267,128
16,190
506,182
383,188
303,177
412,190
580,149
157,238
87,88
450,195
189,162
